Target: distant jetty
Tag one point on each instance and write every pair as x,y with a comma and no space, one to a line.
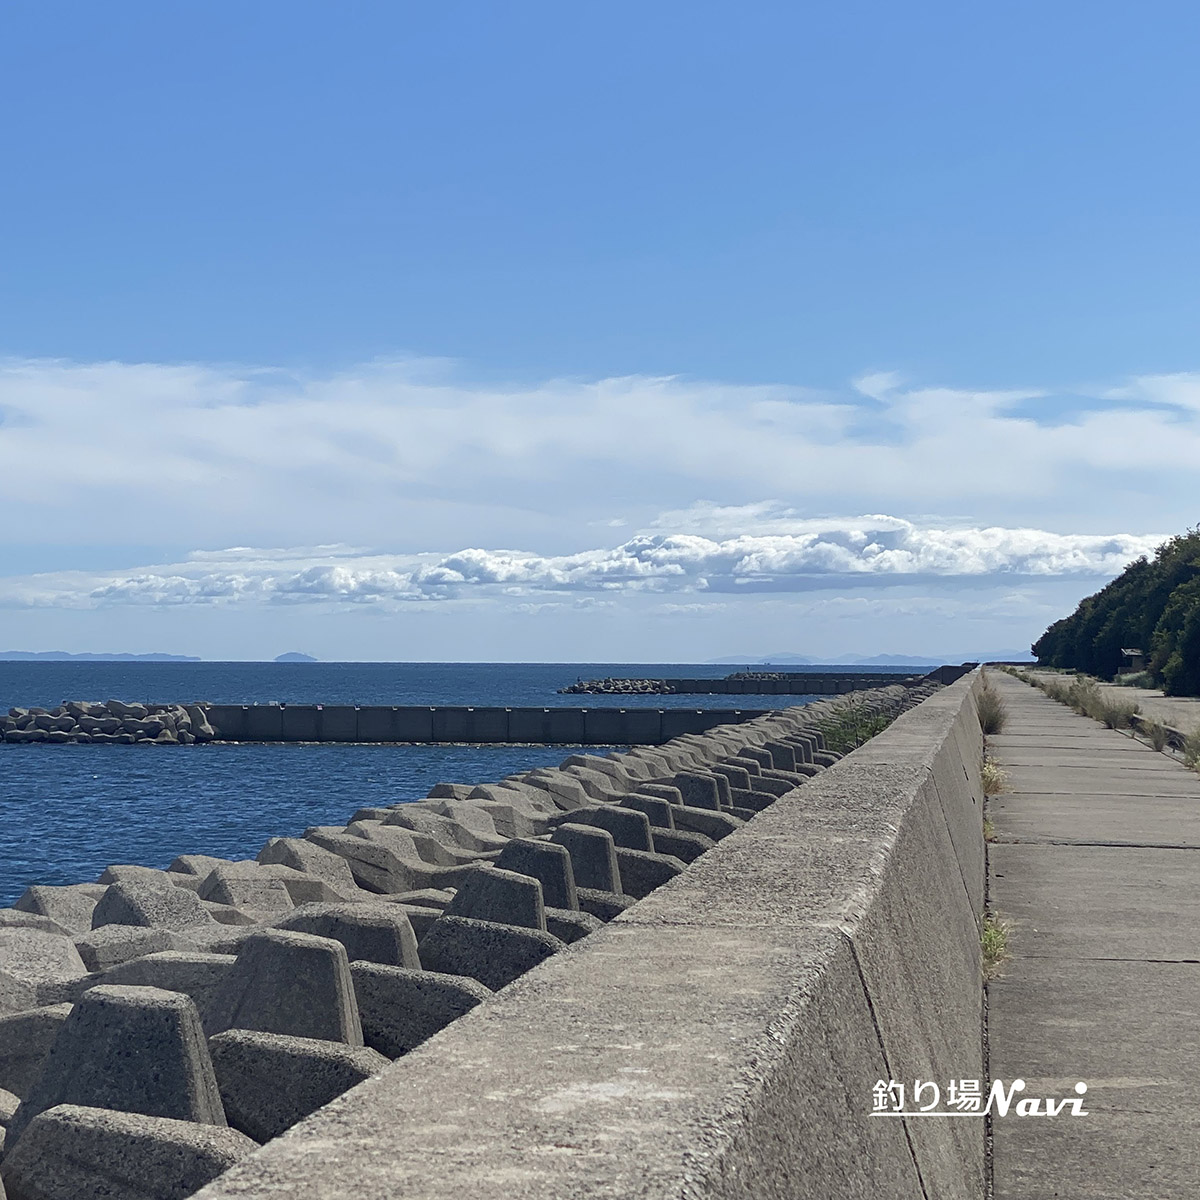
742,683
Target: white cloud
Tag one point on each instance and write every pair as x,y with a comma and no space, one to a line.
851,552
398,456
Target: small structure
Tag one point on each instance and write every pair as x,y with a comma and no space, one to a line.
1132,661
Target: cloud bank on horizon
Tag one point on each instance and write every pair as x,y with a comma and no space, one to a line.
883,550
399,484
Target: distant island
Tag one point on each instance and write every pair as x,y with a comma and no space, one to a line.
875,660
294,656
63,656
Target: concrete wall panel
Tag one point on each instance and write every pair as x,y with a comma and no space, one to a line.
264,723
414,724
377,724
300,723
229,720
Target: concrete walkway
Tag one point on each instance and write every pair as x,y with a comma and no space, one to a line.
1096,862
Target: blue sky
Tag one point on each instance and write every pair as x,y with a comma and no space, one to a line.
888,308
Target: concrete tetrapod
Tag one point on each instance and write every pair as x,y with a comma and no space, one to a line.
250,887
643,871
70,906
493,954
130,1049
269,1081
14,918
8,1109
629,828
379,932
193,973
401,1008
312,859
153,905
593,856
31,959
291,983
570,924
548,863
489,894
25,1041
112,944
74,1152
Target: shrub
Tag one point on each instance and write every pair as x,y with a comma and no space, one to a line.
1139,679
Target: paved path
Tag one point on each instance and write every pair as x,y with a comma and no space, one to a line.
1097,864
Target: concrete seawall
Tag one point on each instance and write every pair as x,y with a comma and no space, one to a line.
722,1037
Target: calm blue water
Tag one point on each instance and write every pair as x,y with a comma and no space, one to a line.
510,684
69,811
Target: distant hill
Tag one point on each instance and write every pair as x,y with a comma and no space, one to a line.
294,656
876,660
63,656
1152,606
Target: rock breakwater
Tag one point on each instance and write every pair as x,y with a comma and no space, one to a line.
613,686
112,721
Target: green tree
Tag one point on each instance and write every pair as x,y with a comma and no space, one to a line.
1153,605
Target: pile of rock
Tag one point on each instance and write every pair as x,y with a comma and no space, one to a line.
112,721
760,676
613,686
157,1026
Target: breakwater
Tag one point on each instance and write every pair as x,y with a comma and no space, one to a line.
128,724
744,683
256,992
379,723
123,724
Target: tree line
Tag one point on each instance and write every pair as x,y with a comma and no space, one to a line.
1153,606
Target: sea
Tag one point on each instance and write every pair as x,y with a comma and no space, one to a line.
67,812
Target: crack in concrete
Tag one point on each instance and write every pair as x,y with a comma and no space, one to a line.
1005,839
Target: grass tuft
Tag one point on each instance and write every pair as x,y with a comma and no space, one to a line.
1155,733
1191,750
991,709
994,777
995,944
1116,714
